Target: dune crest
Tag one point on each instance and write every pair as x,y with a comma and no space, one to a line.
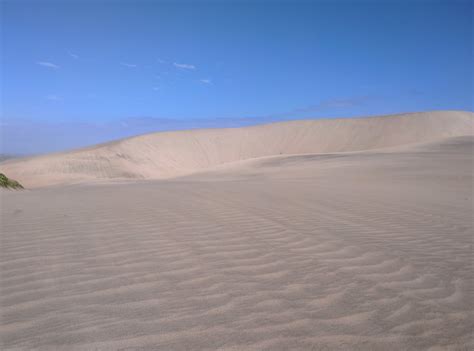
170,154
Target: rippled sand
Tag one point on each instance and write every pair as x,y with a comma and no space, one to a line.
351,251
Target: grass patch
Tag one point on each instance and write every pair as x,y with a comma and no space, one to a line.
5,182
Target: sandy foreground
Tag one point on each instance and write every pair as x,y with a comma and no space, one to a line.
367,250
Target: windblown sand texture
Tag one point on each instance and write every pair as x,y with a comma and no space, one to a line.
366,249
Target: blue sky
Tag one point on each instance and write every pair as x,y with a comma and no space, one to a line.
82,72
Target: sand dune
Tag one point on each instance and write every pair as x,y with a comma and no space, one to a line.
368,250
171,154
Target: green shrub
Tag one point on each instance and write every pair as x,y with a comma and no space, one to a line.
9,183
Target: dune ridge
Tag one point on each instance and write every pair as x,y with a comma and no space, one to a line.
170,154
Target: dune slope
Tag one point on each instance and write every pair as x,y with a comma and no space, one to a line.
358,251
170,154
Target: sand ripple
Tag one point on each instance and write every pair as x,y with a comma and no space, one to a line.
351,257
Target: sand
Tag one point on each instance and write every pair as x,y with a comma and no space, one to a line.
358,250
172,154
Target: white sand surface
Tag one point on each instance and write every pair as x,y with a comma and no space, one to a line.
358,250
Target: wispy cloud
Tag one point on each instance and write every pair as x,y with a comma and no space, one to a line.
156,88
161,61
53,97
327,107
130,65
337,104
184,65
47,64
74,56
206,81
414,92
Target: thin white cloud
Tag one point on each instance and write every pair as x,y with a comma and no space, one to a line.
74,56
53,97
130,65
156,88
47,64
184,65
161,61
206,81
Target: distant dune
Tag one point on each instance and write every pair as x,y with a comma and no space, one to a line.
171,154
4,157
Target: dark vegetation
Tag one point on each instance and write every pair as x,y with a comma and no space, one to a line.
5,182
